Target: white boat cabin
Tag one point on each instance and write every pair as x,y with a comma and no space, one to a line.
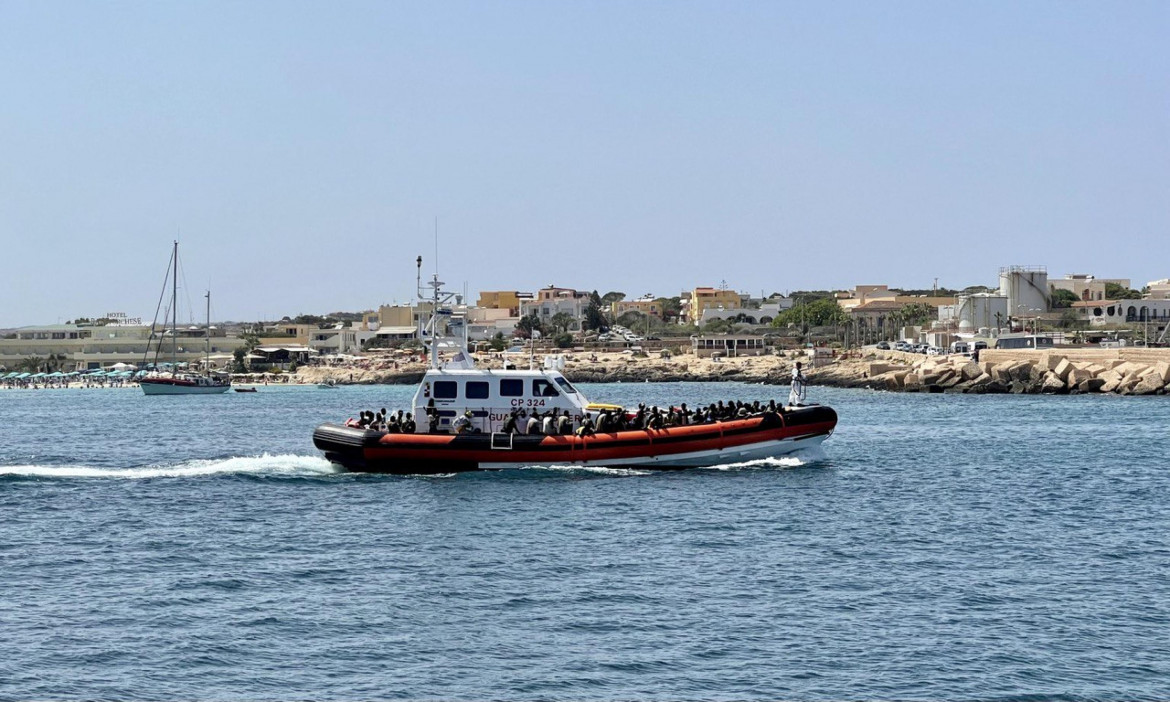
491,395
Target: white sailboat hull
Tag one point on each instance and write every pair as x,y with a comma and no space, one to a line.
166,388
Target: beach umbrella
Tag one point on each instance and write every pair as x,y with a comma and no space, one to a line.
22,376
121,366
56,374
37,375
11,375
96,373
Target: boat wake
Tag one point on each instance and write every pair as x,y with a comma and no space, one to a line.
792,461
288,464
596,470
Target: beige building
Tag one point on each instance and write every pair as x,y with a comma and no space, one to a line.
509,300
712,298
1086,287
81,347
1158,289
865,294
552,301
285,334
727,345
403,315
647,306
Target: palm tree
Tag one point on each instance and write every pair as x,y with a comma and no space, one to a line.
561,322
30,364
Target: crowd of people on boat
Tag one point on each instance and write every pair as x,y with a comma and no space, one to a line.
391,423
559,422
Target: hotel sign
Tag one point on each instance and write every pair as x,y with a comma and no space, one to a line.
121,318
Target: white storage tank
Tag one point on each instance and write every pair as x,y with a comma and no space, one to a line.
1026,289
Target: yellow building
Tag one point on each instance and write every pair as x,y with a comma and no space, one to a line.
402,315
650,308
503,300
712,298
285,334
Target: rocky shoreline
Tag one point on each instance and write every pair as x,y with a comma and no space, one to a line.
1048,374
1051,373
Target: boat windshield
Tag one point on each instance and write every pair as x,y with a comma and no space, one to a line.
565,386
543,388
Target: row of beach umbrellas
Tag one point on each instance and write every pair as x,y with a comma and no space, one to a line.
58,374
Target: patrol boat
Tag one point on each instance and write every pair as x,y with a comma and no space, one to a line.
486,398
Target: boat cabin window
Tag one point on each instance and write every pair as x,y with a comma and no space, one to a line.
446,389
477,390
565,386
511,387
543,388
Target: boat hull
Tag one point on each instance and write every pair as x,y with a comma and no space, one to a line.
167,387
695,446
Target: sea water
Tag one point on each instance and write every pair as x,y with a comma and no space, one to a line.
938,546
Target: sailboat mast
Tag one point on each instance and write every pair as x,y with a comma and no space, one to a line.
207,352
175,312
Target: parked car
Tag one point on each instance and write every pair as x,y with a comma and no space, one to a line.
883,346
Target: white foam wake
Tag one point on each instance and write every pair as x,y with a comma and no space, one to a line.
601,470
281,464
790,461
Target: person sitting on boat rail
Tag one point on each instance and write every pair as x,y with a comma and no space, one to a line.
532,426
586,428
462,423
564,424
546,424
392,425
654,419
407,425
510,424
432,421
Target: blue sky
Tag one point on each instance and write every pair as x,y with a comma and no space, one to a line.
302,151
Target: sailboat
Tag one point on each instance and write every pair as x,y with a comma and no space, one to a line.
174,382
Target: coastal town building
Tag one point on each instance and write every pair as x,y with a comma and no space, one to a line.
874,314
340,340
82,347
727,345
1085,286
403,315
551,301
1158,289
712,298
508,300
396,333
755,311
284,334
1104,312
648,306
862,295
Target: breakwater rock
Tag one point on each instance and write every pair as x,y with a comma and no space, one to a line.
600,368
1045,373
